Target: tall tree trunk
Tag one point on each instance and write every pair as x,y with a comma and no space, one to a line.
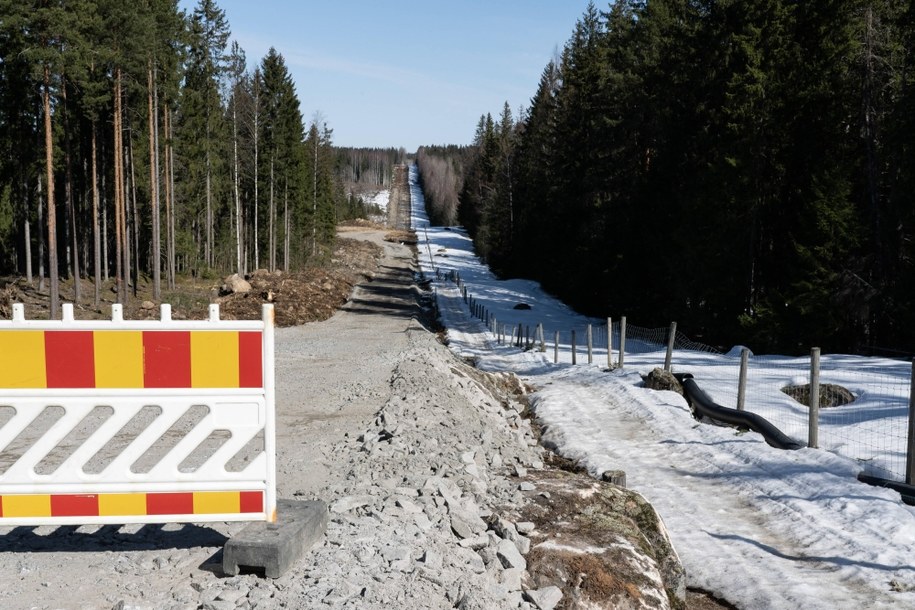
174,199
135,217
286,225
72,255
314,200
52,211
28,248
85,234
272,220
169,248
154,180
96,239
257,256
119,192
27,232
238,221
208,247
41,234
106,260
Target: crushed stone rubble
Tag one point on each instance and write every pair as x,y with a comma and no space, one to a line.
416,523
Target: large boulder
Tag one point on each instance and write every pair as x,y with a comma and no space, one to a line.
659,379
831,395
235,284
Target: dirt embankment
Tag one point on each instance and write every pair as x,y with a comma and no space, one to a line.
310,295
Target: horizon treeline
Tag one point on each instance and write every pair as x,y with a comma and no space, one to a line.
743,168
368,170
137,140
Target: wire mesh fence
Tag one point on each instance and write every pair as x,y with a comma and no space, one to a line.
864,403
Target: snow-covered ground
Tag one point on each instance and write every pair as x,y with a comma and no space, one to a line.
381,199
760,527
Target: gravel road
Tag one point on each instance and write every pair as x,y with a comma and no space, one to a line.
414,451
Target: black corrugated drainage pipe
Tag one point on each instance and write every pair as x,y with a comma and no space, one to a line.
702,404
905,490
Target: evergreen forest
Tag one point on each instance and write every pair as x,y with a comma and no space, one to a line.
139,140
744,168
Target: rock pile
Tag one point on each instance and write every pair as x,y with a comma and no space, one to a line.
440,499
427,480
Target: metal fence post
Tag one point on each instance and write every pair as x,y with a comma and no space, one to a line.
742,379
814,415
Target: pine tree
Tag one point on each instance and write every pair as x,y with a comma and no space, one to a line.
203,129
237,71
282,137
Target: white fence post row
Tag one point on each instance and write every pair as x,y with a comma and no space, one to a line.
162,368
814,413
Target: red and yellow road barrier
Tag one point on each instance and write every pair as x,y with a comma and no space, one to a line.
48,359
131,504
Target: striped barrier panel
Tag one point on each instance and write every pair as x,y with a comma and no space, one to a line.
136,421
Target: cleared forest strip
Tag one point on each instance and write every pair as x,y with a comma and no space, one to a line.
399,205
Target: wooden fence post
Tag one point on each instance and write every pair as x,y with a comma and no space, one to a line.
590,346
671,338
814,414
609,343
542,340
556,347
622,340
573,348
742,379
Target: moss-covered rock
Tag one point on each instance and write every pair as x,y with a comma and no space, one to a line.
659,379
604,545
831,395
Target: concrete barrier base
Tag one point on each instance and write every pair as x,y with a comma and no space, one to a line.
274,547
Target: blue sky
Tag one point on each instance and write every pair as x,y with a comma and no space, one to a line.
393,73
